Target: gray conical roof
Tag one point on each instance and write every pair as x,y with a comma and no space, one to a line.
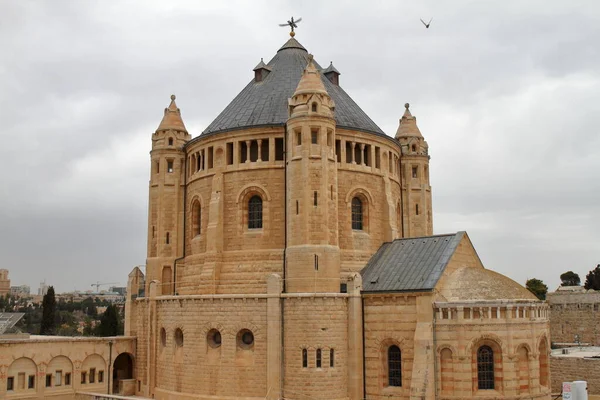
266,102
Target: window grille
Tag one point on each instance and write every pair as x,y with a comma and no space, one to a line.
357,214
485,368
255,210
394,366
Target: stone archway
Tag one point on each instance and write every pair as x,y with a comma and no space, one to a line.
123,372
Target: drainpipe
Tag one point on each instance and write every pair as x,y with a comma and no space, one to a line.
110,345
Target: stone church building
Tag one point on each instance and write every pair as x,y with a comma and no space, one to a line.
291,256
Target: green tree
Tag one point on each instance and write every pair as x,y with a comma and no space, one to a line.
48,326
592,280
570,278
109,323
537,287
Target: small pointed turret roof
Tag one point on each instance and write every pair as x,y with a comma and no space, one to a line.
408,125
310,82
262,65
172,118
331,68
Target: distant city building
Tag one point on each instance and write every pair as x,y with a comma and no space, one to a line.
22,290
4,282
122,290
43,289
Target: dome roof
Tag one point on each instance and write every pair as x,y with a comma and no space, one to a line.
469,283
265,102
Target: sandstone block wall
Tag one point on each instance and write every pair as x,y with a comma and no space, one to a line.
568,369
575,314
55,367
197,365
314,323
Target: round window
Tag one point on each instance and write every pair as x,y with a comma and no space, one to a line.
245,339
179,337
214,338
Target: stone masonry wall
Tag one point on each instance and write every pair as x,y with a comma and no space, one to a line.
575,314
568,369
198,366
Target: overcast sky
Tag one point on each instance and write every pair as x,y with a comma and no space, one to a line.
507,94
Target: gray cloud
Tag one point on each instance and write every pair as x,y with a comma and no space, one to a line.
506,94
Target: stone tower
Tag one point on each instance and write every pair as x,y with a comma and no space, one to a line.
313,253
417,219
166,202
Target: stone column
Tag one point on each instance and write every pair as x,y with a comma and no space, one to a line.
248,151
259,150
355,339
274,352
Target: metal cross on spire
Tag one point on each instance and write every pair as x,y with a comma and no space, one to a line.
292,24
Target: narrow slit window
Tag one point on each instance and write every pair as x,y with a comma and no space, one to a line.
168,239
415,172
314,107
314,136
298,138
83,377
92,375
331,358
170,141
304,358
318,359
48,380
338,150
417,209
67,379
297,207
31,381
315,198
157,166
170,166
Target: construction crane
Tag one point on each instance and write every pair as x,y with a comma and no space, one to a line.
98,284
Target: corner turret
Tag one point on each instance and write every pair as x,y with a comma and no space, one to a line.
165,211
414,169
313,254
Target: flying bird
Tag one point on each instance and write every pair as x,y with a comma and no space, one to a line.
427,24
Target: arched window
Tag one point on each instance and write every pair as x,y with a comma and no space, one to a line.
357,214
543,359
255,208
314,107
485,368
523,369
394,366
170,141
447,372
197,218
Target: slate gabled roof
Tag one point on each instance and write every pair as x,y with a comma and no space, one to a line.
406,265
266,102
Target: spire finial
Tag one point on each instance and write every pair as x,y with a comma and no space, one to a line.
292,24
172,97
406,105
